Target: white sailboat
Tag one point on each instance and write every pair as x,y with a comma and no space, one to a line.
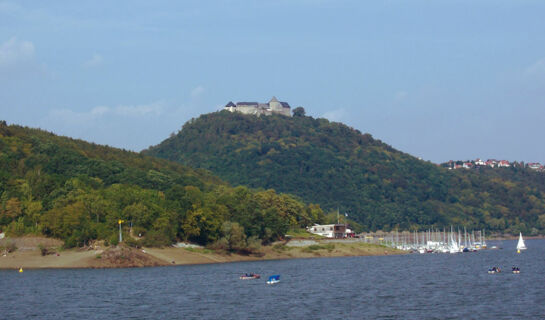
520,244
453,247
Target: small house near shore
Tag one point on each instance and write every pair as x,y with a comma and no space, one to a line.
334,231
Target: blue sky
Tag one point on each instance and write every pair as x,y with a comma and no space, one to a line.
439,80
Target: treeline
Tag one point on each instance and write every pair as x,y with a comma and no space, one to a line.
77,191
339,167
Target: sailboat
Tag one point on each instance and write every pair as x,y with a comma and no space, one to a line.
520,244
453,247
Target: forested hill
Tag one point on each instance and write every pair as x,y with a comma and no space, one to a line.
77,191
338,167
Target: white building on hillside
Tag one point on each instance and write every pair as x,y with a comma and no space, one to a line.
255,108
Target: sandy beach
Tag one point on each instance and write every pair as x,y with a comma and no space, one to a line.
29,256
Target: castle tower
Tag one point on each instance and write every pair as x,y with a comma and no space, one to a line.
275,105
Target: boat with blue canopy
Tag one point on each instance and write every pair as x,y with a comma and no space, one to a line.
274,279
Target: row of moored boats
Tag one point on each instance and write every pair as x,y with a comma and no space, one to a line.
437,241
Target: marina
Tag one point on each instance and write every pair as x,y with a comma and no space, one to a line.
433,241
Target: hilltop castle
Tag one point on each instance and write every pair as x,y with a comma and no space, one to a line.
273,106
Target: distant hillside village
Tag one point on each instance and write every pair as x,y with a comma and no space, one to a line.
492,163
258,109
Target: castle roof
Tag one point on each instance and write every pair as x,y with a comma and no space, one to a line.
230,104
273,99
285,104
247,103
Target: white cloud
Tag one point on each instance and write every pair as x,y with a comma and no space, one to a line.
198,91
95,61
537,68
122,125
99,111
335,115
156,108
400,95
13,52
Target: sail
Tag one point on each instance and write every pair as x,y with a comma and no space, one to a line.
454,247
520,244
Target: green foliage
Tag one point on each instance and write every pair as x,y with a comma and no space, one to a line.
131,242
280,247
234,239
301,234
7,246
299,112
199,250
315,247
338,167
77,191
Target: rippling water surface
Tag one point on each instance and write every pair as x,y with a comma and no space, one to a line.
430,286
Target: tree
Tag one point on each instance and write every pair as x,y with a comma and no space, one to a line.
13,208
234,233
299,112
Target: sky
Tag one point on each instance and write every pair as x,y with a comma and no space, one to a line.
440,80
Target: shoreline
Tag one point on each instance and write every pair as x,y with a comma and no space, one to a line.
125,257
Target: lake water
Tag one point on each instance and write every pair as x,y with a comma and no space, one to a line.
430,286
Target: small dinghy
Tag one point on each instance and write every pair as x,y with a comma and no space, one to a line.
249,276
273,279
515,270
494,270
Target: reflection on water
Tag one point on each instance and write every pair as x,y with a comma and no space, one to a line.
429,286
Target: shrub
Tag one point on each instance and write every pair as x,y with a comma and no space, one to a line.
43,249
156,239
254,244
131,242
222,244
7,245
314,247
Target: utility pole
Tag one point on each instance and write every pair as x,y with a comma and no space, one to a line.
119,222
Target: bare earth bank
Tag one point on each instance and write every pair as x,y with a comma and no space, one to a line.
29,256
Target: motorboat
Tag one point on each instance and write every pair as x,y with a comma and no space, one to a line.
249,276
494,270
515,270
274,279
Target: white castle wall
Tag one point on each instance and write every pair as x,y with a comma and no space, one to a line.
267,109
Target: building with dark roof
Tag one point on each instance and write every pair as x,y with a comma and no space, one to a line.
267,109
